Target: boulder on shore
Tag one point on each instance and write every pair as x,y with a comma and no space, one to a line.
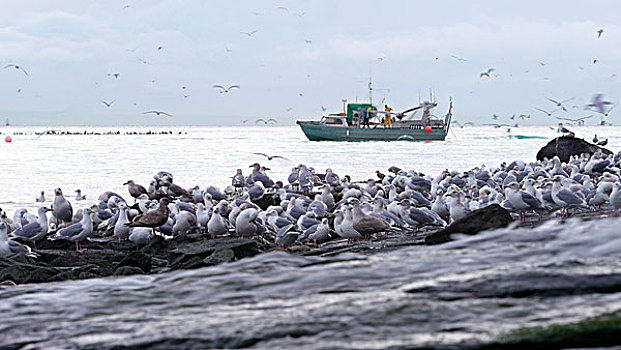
566,146
491,217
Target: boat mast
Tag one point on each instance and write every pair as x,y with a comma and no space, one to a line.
370,91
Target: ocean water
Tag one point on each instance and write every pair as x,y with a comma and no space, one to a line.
467,291
210,155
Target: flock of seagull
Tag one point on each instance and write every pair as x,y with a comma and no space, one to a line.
312,208
598,105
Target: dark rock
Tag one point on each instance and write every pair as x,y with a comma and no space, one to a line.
128,270
78,272
57,244
157,262
103,259
20,272
136,259
220,256
67,259
566,146
185,263
158,247
490,217
200,248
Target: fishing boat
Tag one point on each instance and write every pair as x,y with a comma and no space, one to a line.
406,126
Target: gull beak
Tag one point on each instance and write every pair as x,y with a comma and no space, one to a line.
49,209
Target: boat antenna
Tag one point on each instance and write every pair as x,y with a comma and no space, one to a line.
370,91
344,105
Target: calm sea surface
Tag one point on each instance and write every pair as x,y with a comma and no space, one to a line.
469,290
210,155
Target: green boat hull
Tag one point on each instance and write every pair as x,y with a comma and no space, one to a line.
315,131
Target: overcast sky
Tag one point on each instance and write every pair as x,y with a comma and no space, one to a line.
303,55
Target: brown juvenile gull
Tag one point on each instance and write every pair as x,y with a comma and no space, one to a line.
153,219
134,189
366,224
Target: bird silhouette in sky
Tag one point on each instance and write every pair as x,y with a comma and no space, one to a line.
270,157
158,113
108,104
226,90
560,103
261,120
16,67
250,33
549,114
600,32
487,73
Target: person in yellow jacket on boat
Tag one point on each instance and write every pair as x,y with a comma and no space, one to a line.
387,116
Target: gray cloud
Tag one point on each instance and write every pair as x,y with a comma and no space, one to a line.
70,47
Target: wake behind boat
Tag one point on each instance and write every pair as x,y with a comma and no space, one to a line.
365,122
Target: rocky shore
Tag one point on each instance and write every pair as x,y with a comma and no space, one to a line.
109,256
57,261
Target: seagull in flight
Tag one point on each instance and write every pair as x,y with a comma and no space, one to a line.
308,41
323,109
108,104
462,125
549,114
560,103
226,90
542,63
495,116
16,67
598,103
186,96
487,74
261,120
283,8
158,113
250,33
271,157
600,32
575,119
459,58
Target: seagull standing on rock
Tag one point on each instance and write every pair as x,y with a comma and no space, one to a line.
61,208
153,219
9,247
78,231
521,200
36,230
563,197
134,189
